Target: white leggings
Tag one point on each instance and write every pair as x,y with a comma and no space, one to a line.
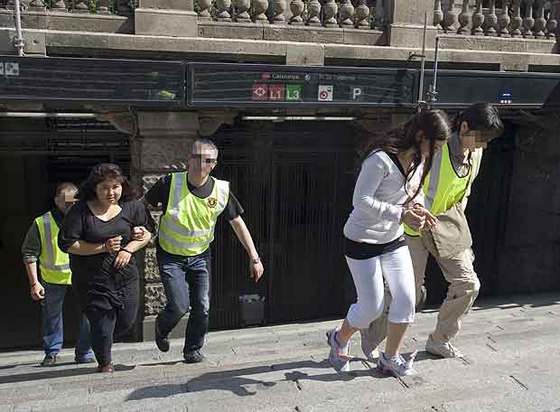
368,274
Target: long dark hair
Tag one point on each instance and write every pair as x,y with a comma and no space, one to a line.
101,172
434,125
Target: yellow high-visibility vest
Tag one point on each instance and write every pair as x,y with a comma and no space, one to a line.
187,227
443,188
53,262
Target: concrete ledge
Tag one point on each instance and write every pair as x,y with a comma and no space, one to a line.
366,37
159,22
226,30
496,43
34,42
104,23
304,34
305,54
242,50
410,35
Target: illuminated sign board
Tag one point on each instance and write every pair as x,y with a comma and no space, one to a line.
246,85
132,82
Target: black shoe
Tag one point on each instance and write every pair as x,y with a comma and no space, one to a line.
49,359
194,356
161,341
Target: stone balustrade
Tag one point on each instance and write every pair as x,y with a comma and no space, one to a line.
529,19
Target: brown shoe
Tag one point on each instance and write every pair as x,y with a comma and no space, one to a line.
106,368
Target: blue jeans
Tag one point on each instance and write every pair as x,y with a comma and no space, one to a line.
52,324
186,280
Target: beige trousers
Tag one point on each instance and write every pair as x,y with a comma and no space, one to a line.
462,291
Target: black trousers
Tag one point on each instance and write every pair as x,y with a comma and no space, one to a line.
110,324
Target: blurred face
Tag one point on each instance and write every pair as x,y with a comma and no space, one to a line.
109,191
473,139
65,199
202,160
425,146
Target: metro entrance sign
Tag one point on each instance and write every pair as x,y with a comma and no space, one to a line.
247,85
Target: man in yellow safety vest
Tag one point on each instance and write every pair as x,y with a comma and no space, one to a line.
446,190
192,202
41,246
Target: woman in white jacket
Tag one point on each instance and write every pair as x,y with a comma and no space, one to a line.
387,194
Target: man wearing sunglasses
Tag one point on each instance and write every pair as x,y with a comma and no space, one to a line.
192,202
40,248
446,191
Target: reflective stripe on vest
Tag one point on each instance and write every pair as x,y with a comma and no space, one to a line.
53,262
187,227
443,188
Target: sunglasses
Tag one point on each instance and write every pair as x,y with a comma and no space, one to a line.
207,160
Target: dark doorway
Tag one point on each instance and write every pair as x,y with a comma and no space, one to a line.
34,156
295,181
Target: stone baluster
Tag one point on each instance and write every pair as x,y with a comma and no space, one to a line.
204,9
464,18
297,7
540,21
362,15
346,14
491,20
450,17
478,20
528,21
438,14
59,6
313,13
36,5
241,11
504,19
278,10
80,6
552,22
259,10
330,8
223,7
103,7
378,16
516,20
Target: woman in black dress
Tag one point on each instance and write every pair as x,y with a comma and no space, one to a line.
101,233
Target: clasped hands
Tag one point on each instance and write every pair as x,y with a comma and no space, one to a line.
418,217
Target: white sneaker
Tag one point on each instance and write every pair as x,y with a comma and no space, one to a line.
443,349
396,366
338,356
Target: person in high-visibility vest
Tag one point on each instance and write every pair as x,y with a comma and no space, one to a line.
446,192
384,198
192,201
40,249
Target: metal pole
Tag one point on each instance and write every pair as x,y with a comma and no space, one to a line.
423,63
18,41
433,86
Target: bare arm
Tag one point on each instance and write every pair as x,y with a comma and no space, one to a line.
83,248
37,290
244,236
136,245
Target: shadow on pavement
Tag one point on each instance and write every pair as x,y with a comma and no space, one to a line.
236,380
53,373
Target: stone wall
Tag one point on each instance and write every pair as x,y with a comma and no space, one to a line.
161,147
